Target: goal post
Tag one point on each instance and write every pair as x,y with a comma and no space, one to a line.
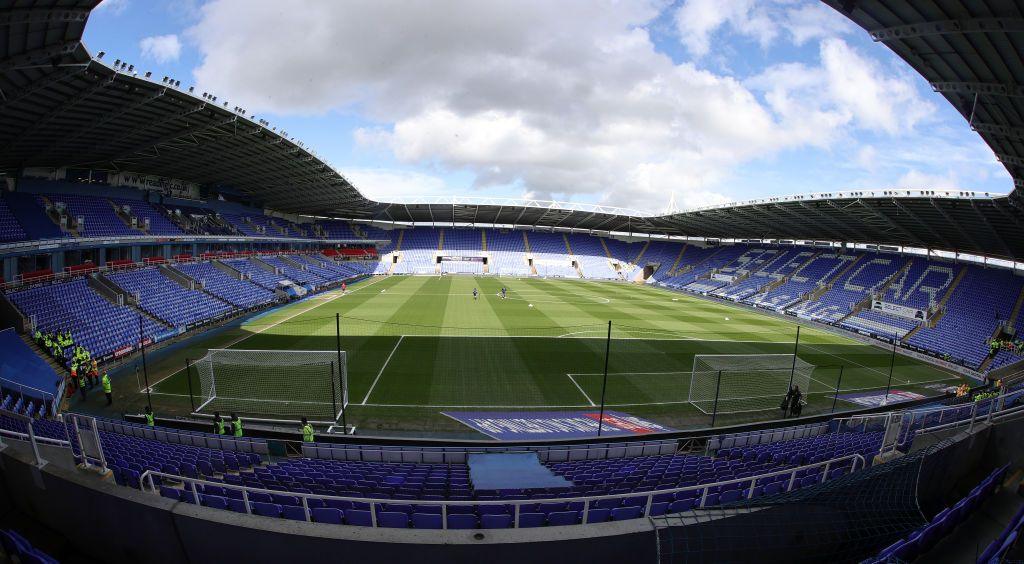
273,383
740,383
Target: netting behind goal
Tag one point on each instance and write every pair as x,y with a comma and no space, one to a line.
743,383
273,383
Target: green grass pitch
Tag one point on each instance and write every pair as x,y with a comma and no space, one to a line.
417,346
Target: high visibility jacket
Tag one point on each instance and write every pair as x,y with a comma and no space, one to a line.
106,383
236,427
149,420
218,426
307,433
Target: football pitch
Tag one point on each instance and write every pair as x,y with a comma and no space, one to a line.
417,346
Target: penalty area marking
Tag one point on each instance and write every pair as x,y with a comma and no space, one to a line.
573,380
386,362
319,300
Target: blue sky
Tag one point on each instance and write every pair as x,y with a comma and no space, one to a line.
623,103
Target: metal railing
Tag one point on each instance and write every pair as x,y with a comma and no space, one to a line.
924,421
146,481
30,436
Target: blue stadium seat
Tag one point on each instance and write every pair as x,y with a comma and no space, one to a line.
527,520
327,515
393,519
493,521
359,517
461,521
427,521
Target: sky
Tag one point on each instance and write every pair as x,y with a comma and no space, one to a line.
646,105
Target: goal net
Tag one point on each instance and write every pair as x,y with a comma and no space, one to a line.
273,383
743,382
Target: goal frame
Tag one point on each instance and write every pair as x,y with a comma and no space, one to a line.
797,370
338,380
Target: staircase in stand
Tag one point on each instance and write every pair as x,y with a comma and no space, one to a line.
679,257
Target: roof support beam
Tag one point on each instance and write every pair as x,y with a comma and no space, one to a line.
57,111
121,110
924,224
995,235
910,238
980,88
35,57
960,230
153,142
19,16
1004,130
948,27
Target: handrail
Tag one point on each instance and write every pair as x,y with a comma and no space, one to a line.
27,437
146,479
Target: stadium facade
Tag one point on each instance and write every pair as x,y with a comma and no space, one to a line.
147,212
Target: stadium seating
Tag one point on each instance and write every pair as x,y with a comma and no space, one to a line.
17,547
30,216
980,300
167,300
851,289
100,218
10,228
590,255
260,276
506,252
97,324
419,247
462,242
550,257
240,293
159,224
819,270
923,539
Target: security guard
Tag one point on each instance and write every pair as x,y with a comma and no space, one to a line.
307,431
236,425
218,423
106,388
149,417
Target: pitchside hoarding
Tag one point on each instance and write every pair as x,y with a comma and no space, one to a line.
526,425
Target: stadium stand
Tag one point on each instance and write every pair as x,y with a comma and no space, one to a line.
925,538
168,301
972,313
240,293
507,252
10,228
159,224
100,326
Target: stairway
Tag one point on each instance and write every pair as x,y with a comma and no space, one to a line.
440,239
640,255
125,218
679,257
43,354
956,282
526,244
568,248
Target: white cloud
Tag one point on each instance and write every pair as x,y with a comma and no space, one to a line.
383,184
764,21
846,91
161,48
116,7
697,20
563,100
917,180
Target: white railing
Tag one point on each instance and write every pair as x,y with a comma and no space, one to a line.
924,421
30,436
146,481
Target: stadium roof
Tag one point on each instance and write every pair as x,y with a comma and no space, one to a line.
62,108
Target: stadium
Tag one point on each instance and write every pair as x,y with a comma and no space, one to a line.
215,346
